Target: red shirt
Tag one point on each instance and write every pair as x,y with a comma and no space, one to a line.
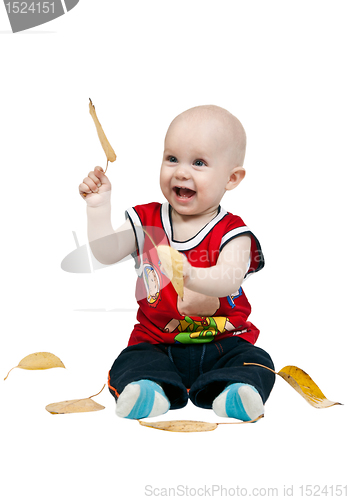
159,320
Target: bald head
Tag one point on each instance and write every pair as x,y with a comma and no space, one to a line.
223,123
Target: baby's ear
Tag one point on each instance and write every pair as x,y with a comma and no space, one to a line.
237,175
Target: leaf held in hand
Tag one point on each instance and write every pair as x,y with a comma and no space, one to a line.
75,405
172,263
39,361
303,384
107,148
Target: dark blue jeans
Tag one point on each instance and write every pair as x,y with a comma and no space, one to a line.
196,371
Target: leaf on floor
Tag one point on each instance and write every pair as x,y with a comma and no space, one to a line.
180,425
190,425
303,384
39,361
75,405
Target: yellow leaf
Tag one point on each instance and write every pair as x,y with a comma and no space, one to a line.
39,361
172,263
107,148
181,426
303,384
75,405
190,425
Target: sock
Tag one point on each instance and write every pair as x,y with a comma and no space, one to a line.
241,401
142,399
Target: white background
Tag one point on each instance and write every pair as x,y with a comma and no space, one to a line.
282,68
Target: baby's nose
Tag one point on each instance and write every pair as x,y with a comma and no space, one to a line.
182,171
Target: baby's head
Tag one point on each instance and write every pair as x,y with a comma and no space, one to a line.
214,128
204,151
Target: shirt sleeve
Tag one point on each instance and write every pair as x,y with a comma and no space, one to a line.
236,228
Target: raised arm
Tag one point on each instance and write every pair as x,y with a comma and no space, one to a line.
226,276
108,245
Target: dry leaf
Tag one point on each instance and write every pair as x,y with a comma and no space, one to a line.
181,425
39,361
172,263
75,405
190,425
303,384
107,148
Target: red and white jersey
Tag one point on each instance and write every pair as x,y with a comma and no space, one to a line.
159,320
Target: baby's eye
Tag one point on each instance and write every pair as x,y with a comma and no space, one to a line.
172,159
199,163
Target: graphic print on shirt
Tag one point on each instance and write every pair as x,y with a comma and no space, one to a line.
231,298
199,329
152,282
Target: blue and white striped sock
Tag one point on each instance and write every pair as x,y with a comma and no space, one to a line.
241,401
142,399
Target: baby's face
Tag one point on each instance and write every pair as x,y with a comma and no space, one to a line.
196,165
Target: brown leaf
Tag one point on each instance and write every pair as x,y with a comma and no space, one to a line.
39,361
107,148
190,425
75,405
181,425
303,384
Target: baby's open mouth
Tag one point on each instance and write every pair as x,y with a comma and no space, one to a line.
184,192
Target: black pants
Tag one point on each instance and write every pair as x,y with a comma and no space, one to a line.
196,371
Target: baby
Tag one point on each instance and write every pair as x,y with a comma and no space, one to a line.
195,347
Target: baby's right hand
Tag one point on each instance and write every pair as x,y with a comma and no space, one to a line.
96,188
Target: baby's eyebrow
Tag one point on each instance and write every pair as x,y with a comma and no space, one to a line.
168,153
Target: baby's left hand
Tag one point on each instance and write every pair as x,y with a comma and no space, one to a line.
197,304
